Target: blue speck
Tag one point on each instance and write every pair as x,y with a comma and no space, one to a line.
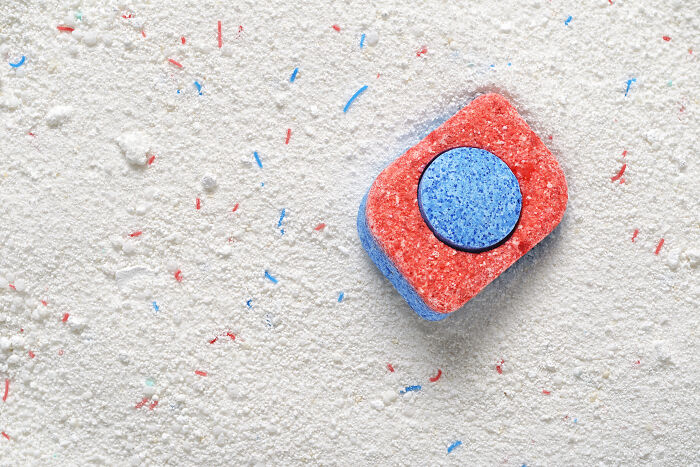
199,87
18,64
629,83
453,446
257,159
294,75
354,96
568,20
508,63
279,222
362,41
155,306
341,296
262,183
410,389
575,420
249,303
270,277
493,66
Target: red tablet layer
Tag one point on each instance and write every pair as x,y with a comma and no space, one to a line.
443,277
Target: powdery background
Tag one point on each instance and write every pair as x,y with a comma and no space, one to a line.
603,324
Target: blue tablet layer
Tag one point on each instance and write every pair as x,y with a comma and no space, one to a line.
470,199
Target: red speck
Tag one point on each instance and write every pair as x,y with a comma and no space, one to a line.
182,39
198,204
178,275
218,34
43,302
235,208
658,247
153,405
175,63
5,435
31,354
666,38
200,373
638,362
65,317
233,338
7,390
610,1
422,51
60,352
127,17
377,75
143,33
437,376
624,153
634,235
498,367
320,226
213,340
289,135
31,134
389,367
336,27
141,404
135,234
619,174
545,392
151,159
65,29
240,30
12,286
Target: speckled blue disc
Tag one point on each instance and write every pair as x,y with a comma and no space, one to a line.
470,199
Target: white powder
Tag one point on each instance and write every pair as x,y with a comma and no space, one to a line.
605,326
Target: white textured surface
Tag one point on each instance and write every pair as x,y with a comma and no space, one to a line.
305,381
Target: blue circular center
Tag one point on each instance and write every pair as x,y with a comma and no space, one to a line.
470,199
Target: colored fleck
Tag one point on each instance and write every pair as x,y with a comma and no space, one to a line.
453,446
182,39
199,87
629,83
149,382
141,404
390,367
257,159
634,234
341,295
362,41
65,29
545,392
135,234
336,27
143,33
5,435
320,226
152,158
422,51
153,405
178,275
155,306
568,20
279,222
270,277
214,340
235,208
437,376
658,247
7,390
294,75
198,204
219,39
18,64
666,38
31,354
200,373
289,135
355,96
231,335
177,64
499,369
65,317
249,303
410,389
619,174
